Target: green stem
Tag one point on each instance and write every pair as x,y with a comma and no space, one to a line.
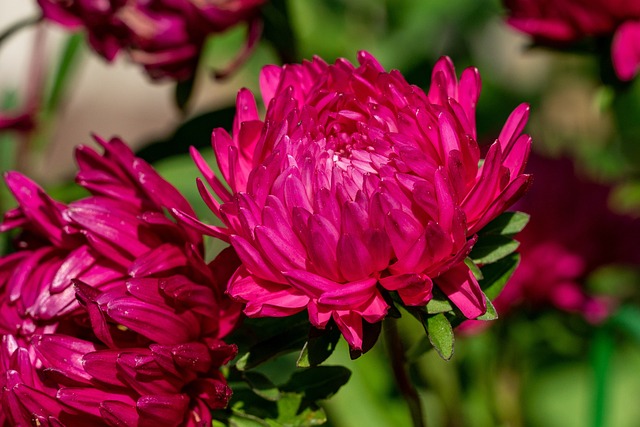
6,34
601,353
399,367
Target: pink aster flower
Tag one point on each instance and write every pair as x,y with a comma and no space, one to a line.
572,233
164,36
355,184
108,313
565,21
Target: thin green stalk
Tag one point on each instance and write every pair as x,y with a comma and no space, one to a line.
65,69
399,367
601,354
6,34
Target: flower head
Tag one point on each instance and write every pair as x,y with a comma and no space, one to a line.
564,21
572,233
164,36
355,184
109,314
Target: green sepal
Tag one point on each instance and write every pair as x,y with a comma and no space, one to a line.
491,248
496,275
440,334
506,224
495,239
491,313
477,272
439,303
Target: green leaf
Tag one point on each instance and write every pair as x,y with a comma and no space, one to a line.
507,224
491,248
278,30
321,344
616,280
263,339
318,382
240,419
627,319
245,401
262,386
491,313
625,196
440,334
293,412
436,306
497,274
183,92
477,273
194,132
439,303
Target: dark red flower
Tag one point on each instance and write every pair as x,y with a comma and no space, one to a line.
572,232
108,312
164,36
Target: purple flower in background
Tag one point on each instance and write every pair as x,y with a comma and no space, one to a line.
24,119
357,183
164,36
109,315
565,21
21,122
572,232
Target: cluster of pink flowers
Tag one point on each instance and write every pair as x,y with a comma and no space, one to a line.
565,21
356,184
572,233
108,313
164,36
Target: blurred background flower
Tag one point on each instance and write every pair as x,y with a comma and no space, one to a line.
567,21
572,233
165,37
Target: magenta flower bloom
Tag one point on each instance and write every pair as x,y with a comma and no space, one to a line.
108,313
572,233
22,122
565,21
164,36
357,183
